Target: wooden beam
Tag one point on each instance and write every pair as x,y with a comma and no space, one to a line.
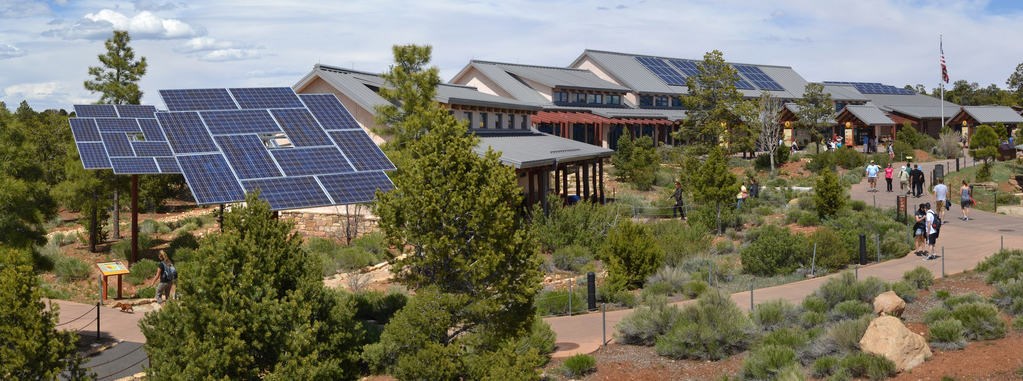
600,172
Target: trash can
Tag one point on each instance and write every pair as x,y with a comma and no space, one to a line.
937,173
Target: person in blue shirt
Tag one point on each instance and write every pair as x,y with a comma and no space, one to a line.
872,171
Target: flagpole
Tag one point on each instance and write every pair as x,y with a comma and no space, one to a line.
941,81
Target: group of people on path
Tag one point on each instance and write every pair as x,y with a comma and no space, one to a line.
911,178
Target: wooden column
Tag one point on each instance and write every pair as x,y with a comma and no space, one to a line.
578,181
594,197
564,180
586,181
529,187
600,172
557,181
544,186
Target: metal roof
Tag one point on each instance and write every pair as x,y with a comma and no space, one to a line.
993,114
794,109
869,115
843,92
539,149
626,70
359,86
556,76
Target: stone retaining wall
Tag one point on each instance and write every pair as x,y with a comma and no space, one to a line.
332,226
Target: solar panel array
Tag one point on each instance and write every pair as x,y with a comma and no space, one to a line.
875,88
125,138
674,72
298,151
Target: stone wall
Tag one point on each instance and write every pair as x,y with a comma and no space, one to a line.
328,225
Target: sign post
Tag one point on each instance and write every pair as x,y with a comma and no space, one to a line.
107,270
901,210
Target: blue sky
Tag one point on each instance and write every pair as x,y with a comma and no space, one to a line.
46,47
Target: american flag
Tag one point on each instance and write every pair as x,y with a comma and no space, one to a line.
944,70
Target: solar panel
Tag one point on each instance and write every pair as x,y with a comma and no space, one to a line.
331,114
742,84
239,122
686,67
151,149
198,100
95,111
94,155
289,192
351,188
302,129
759,79
361,151
210,179
168,165
84,129
134,165
117,144
136,111
151,130
875,88
266,97
186,132
661,69
118,125
248,156
311,161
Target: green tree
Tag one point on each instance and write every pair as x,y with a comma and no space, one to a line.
764,115
636,161
33,349
829,195
254,308
711,183
1015,82
411,88
25,202
816,110
85,191
710,103
458,213
984,143
118,78
632,254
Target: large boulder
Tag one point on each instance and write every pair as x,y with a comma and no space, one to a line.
889,303
888,337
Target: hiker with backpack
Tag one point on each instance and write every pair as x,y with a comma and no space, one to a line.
933,228
166,274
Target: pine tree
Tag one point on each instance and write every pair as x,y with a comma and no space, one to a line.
712,183
816,110
413,109
631,254
828,194
710,103
25,202
118,78
254,308
32,349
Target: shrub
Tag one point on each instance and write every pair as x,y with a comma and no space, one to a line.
631,255
557,302
936,314
812,319
829,194
862,364
954,301
832,254
920,277
142,271
850,309
608,294
770,252
680,242
1009,296
808,219
905,291
815,303
571,258
579,365
671,279
766,362
942,295
980,320
845,335
182,240
774,314
121,249
711,329
1004,265
187,227
857,205
947,334
694,288
646,323
70,269
583,224
378,306
825,366
1017,323
794,338
845,287
145,292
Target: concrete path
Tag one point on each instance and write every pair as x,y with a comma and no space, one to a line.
966,243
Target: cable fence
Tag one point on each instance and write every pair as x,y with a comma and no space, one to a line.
79,317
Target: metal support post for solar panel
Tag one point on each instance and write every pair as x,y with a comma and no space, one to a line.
134,223
220,218
116,228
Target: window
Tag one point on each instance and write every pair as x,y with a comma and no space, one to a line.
511,121
580,98
646,100
676,101
468,117
525,122
483,120
595,99
560,96
614,99
661,101
499,120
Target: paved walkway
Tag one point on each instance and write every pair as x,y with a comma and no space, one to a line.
966,243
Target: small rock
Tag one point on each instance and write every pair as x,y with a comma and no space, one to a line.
889,303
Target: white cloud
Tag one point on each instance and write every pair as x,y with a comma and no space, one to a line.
23,8
155,5
32,91
143,25
211,49
232,54
10,51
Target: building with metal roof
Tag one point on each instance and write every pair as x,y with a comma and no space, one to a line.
969,117
503,124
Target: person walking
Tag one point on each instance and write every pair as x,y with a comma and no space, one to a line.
933,227
888,173
916,177
919,231
891,152
904,179
872,171
741,196
679,207
966,200
166,274
940,197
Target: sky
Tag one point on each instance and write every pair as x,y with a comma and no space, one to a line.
46,47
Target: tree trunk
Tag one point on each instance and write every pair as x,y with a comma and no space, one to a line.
772,160
117,215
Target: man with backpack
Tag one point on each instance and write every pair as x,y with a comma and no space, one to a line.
916,178
166,274
933,228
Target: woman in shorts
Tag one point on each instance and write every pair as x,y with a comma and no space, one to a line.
965,200
919,230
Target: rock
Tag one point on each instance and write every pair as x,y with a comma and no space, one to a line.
889,303
888,337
